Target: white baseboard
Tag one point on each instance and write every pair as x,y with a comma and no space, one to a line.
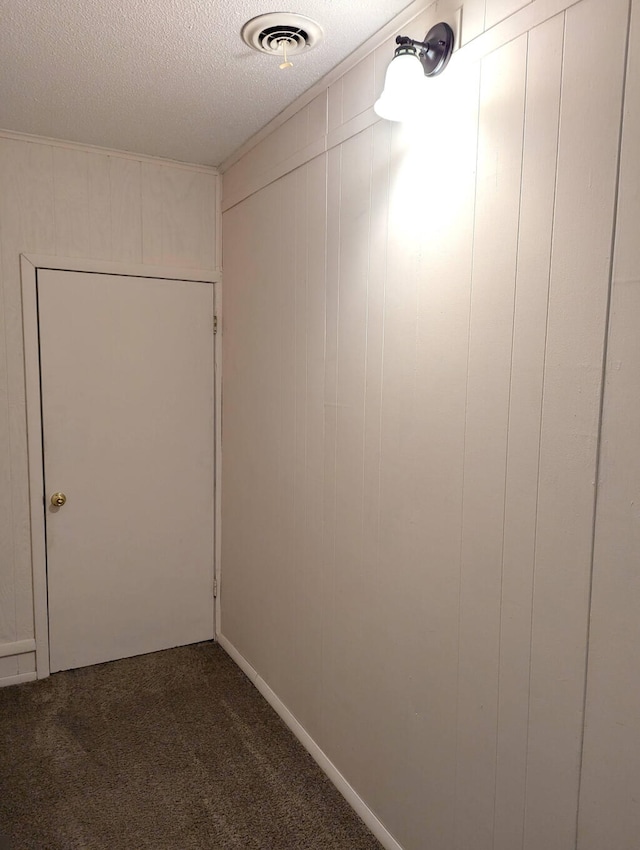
355,801
18,679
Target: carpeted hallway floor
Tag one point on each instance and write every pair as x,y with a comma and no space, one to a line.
171,751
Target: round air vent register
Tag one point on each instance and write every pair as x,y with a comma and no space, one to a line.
282,34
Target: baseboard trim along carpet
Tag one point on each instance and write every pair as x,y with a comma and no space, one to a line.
351,796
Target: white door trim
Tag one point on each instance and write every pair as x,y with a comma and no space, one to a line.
29,265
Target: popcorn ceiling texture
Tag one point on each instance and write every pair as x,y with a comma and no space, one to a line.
169,78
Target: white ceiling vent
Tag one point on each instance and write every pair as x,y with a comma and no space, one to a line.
277,31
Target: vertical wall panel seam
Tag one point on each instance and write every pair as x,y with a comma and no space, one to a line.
605,349
323,625
291,407
366,342
296,366
464,450
307,330
382,333
337,248
296,495
544,372
281,490
416,274
507,441
14,536
338,271
8,446
306,352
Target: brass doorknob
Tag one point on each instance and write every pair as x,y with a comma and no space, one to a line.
58,500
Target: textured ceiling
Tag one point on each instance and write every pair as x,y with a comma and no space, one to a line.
169,78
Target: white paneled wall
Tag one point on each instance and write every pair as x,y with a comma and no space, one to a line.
71,202
610,790
498,10
414,336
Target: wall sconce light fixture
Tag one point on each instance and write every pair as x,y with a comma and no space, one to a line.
411,63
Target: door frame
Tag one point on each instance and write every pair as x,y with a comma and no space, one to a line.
29,265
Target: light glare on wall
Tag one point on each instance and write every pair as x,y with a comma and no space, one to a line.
404,82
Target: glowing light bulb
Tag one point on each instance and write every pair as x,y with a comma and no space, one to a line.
404,85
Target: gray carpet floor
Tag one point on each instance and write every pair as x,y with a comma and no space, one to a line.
172,751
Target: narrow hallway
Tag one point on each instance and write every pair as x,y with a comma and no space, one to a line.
170,750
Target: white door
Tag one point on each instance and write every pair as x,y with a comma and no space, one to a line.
127,412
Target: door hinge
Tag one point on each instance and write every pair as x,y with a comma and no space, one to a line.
215,587
215,324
